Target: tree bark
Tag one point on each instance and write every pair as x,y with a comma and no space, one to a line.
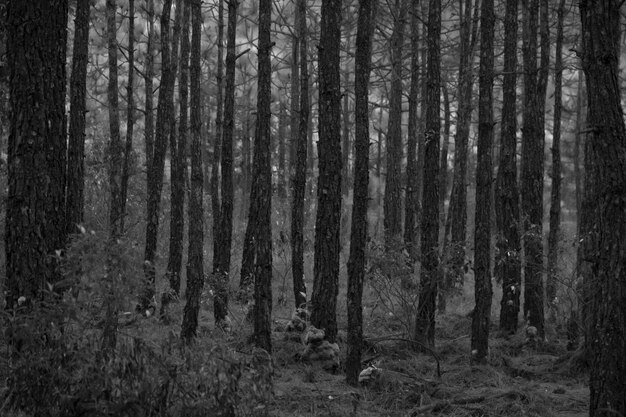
482,222
195,269
508,266
327,224
148,81
300,168
425,320
219,127
295,93
75,198
532,174
263,184
155,174
606,170
555,193
221,263
358,232
393,183
35,216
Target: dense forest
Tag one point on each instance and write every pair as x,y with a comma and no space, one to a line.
312,208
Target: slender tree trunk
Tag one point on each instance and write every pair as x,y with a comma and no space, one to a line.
358,233
346,111
326,259
195,273
219,124
580,121
148,80
155,174
393,183
411,201
532,175
443,162
75,199
508,266
295,93
300,168
263,183
130,113
555,194
221,263
606,170
35,216
116,209
281,184
482,234
177,163
425,320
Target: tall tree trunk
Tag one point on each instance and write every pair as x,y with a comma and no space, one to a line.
346,111
155,174
219,127
393,182
358,233
555,194
411,200
507,262
35,217
195,274
281,184
177,162
130,112
300,168
482,222
606,169
221,263
116,210
425,320
457,208
295,93
326,259
444,224
148,81
263,183
75,198
532,174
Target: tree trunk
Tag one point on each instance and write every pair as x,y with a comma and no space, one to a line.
295,94
219,125
221,263
358,233
326,259
35,216
281,184
263,184
195,274
555,194
482,222
393,182
148,80
75,198
411,200
508,267
425,320
177,162
300,168
130,113
606,169
155,174
532,175
443,162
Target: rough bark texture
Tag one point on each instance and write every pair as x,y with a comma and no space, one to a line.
606,148
177,162
295,93
482,223
221,263
393,181
263,183
219,127
326,259
75,199
411,201
148,81
508,266
532,175
155,173
425,320
555,193
358,233
195,273
300,168
35,216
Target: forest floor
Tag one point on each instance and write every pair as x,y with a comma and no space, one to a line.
518,380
